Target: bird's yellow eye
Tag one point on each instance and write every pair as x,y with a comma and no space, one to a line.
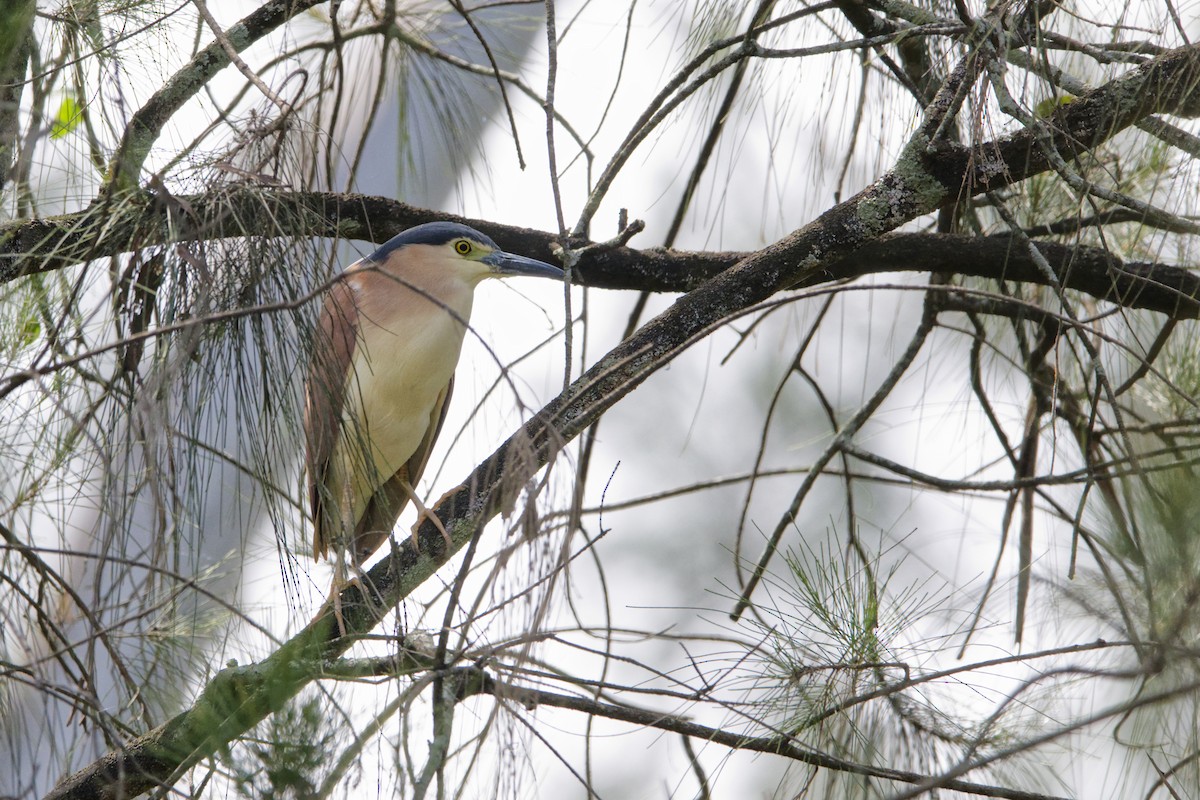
462,247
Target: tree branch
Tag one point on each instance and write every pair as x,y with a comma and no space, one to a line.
473,681
42,245
780,744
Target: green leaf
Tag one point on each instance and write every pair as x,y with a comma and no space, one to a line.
69,115
1047,107
29,332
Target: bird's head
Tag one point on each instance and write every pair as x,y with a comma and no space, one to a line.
452,246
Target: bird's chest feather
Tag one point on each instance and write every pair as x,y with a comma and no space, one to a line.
401,365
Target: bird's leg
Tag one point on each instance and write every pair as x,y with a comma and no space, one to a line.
342,581
340,570
344,566
423,512
450,493
335,590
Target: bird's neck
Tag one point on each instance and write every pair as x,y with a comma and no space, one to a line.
384,294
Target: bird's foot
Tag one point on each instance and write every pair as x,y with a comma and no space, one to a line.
424,513
334,602
359,585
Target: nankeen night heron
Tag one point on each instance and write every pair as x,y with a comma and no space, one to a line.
382,371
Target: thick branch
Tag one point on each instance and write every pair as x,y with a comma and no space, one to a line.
30,246
230,705
234,701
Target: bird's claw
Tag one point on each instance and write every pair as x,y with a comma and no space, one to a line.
424,513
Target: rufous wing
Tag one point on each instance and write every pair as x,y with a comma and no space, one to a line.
325,393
